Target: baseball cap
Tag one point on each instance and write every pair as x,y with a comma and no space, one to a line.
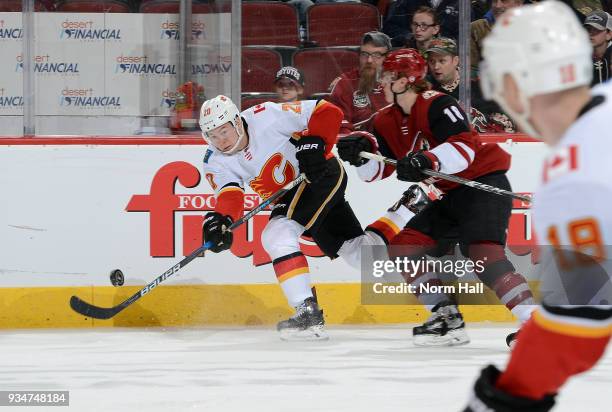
377,38
291,73
443,45
599,19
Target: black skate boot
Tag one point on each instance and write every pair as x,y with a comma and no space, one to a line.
306,324
415,199
445,327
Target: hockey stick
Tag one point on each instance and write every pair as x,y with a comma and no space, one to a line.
87,309
452,178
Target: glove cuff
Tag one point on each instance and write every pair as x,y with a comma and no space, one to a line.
435,162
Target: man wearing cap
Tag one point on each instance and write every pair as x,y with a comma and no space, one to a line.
598,24
289,84
358,92
443,63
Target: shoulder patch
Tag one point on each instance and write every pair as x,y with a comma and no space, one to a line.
207,155
429,94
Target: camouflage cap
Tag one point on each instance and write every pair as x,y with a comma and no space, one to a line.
443,45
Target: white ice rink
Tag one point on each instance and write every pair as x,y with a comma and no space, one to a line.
369,369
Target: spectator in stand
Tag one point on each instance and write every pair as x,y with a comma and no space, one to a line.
358,92
399,17
425,27
443,63
289,84
479,29
599,25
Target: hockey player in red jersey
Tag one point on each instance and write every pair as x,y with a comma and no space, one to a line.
266,147
426,129
540,75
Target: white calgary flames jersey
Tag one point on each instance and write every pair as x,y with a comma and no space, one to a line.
573,207
268,162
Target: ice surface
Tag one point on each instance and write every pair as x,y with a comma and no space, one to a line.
370,369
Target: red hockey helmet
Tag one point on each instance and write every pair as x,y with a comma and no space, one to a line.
406,62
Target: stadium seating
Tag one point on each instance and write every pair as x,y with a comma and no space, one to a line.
259,67
173,7
322,65
15,6
252,99
269,23
340,24
93,6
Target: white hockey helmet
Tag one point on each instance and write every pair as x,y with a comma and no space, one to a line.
543,47
215,113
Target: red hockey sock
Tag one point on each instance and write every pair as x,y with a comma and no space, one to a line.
552,347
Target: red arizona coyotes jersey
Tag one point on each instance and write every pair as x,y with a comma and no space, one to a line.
268,162
358,108
437,125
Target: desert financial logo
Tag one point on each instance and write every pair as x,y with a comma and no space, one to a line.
163,204
45,65
9,102
87,99
140,65
170,30
84,30
168,99
218,65
10,33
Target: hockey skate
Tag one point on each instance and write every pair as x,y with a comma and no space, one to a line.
306,324
445,327
415,199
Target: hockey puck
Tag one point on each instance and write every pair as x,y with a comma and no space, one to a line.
116,277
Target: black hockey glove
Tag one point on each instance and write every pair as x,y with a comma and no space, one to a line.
310,154
215,231
350,146
487,397
410,168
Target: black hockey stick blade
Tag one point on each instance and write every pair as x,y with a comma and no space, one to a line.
86,309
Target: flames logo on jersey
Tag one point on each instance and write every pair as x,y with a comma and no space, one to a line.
267,182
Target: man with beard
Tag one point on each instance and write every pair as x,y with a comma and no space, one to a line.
358,92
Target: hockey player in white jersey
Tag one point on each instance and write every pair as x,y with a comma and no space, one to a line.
266,147
537,66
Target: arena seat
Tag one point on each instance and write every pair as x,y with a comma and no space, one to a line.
15,6
322,65
259,67
94,6
251,99
173,7
269,23
340,24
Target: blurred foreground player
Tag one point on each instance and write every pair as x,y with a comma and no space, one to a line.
428,129
266,147
540,74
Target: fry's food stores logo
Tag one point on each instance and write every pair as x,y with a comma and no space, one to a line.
163,204
86,30
141,65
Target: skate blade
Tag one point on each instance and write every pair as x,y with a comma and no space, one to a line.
452,338
310,334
